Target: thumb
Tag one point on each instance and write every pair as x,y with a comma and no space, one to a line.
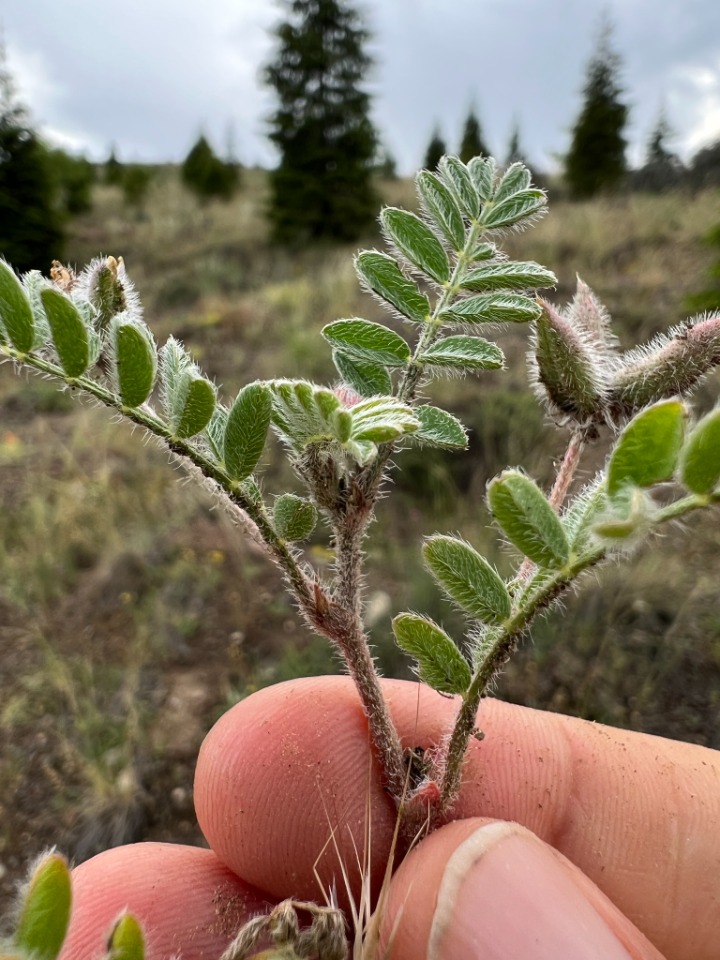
492,890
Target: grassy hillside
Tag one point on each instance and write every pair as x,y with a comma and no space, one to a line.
132,612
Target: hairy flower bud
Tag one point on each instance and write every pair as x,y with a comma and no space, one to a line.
566,367
669,366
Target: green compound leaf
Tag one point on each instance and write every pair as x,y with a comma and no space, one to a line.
16,314
467,578
368,341
382,419
700,458
527,519
508,275
45,911
438,428
518,207
417,242
126,940
440,663
457,177
648,449
135,359
294,517
69,331
516,178
246,429
385,278
482,172
442,207
463,353
368,379
199,399
493,308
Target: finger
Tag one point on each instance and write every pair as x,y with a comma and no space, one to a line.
490,889
287,768
189,904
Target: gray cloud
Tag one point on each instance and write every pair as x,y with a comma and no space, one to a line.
147,75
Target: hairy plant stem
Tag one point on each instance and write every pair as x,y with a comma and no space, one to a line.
534,598
349,528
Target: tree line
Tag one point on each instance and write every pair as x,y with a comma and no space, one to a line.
330,154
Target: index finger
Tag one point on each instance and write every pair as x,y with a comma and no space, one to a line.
287,769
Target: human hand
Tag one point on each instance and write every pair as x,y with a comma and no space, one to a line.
570,839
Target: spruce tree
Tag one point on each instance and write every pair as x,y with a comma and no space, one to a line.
30,223
206,175
472,143
435,150
322,188
662,168
596,160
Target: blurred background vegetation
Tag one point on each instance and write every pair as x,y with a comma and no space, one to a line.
132,612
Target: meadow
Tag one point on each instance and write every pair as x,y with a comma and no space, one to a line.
132,612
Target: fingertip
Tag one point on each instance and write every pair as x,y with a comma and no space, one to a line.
492,890
187,902
284,785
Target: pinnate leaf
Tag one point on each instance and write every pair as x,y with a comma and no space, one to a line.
385,278
441,205
464,353
467,578
368,341
135,359
438,428
648,449
16,314
440,663
368,379
246,429
45,912
700,460
527,519
126,940
294,517
414,239
508,275
69,331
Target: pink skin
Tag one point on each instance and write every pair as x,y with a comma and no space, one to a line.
618,854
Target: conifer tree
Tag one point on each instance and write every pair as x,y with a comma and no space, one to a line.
662,169
435,150
472,143
206,175
30,222
322,188
596,160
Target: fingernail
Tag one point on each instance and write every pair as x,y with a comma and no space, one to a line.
505,896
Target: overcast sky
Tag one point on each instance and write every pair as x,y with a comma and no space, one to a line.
149,75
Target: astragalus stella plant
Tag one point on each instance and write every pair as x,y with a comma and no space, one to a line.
447,280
